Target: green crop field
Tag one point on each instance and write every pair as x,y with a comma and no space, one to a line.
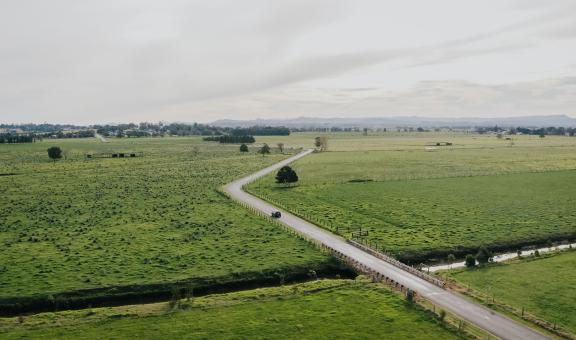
133,225
400,141
420,204
316,310
544,287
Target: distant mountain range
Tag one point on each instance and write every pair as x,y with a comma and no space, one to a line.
414,121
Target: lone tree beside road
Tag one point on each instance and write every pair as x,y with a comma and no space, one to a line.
286,175
265,149
280,147
243,148
54,153
321,143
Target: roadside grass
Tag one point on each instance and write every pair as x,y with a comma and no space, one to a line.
543,286
77,224
321,310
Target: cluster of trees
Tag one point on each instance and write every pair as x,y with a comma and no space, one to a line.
13,138
231,139
146,129
30,137
483,256
182,129
68,134
547,131
39,128
261,131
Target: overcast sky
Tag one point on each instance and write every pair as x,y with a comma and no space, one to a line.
174,60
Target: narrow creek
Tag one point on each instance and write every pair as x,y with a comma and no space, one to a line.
499,257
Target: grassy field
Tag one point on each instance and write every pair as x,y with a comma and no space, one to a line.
316,310
401,141
544,287
124,224
420,204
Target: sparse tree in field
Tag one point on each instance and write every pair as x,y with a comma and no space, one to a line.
265,149
537,253
195,150
451,258
280,147
470,261
365,132
243,148
54,153
321,143
286,175
483,255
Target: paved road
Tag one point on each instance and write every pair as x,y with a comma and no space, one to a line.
100,137
491,321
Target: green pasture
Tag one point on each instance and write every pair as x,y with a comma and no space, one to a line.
420,204
544,287
434,217
79,224
316,310
415,141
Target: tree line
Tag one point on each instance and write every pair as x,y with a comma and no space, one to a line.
12,138
261,131
230,139
544,131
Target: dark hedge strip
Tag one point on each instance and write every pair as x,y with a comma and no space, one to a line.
137,294
230,139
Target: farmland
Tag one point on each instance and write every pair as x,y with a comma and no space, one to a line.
544,287
319,310
109,227
418,204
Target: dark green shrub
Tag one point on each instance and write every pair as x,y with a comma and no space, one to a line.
470,261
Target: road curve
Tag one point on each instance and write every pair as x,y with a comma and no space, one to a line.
485,318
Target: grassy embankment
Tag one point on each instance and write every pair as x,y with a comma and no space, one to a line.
315,310
83,231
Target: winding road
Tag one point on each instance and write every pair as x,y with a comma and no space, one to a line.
493,322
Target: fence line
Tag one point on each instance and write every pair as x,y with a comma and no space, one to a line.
374,275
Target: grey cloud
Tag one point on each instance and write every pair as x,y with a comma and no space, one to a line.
124,57
449,98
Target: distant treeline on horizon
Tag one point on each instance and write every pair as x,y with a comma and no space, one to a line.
29,133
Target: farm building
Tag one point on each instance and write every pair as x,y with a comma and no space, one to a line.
114,155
